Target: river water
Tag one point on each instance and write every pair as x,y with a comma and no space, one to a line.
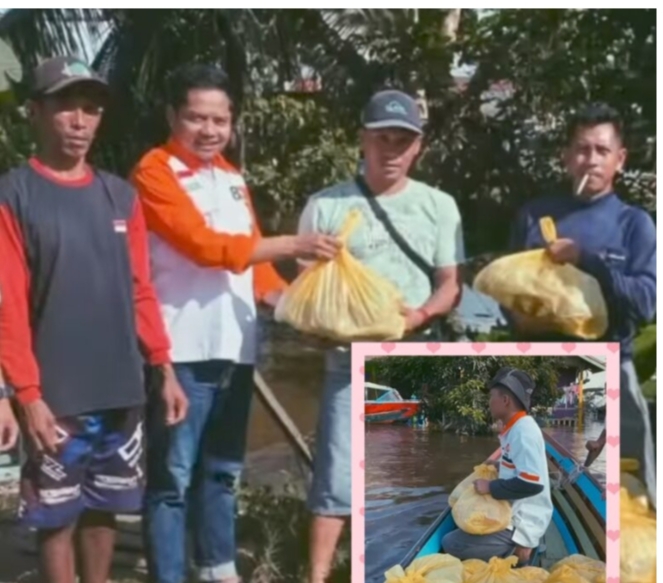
410,473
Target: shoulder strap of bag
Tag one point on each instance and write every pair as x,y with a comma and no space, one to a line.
403,245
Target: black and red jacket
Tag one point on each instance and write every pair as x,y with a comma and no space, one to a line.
77,304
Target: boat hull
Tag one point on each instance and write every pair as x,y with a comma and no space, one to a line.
390,412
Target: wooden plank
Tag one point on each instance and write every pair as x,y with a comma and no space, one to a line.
577,528
282,418
589,519
587,516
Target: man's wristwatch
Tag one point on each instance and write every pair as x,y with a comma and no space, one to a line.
5,393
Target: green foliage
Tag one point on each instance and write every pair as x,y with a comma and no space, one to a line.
491,155
15,140
644,357
291,150
454,388
273,530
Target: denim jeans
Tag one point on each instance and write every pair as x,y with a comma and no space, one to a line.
192,472
635,430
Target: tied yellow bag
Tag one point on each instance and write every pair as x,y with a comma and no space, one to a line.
497,571
481,472
471,567
437,568
342,299
476,513
632,488
588,568
533,574
566,574
559,298
637,552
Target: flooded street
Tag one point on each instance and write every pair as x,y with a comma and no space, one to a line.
410,473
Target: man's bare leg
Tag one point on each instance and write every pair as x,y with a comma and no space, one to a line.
95,542
56,555
325,534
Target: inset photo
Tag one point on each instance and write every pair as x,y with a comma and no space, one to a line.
481,464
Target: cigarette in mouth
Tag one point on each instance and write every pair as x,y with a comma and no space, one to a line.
581,186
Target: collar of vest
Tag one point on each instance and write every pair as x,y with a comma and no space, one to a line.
514,419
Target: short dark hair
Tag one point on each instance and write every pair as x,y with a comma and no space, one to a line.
592,115
502,390
195,76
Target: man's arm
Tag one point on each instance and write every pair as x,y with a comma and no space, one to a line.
16,356
17,359
631,290
8,423
151,332
154,343
513,489
172,215
448,258
529,468
448,292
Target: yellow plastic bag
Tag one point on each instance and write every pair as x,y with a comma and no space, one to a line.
532,574
342,299
635,490
632,487
476,513
497,571
586,567
481,472
470,567
558,298
566,574
637,542
437,568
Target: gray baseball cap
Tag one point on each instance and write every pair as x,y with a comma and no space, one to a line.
517,382
392,109
58,73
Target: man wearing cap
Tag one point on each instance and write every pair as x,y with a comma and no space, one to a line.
77,318
428,222
523,476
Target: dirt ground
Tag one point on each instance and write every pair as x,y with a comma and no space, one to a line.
272,532
18,557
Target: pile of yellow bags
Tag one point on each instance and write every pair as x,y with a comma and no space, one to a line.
638,532
438,568
477,513
558,298
496,571
566,574
533,574
481,472
443,568
343,300
577,569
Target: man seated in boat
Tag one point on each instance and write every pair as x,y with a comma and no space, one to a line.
523,476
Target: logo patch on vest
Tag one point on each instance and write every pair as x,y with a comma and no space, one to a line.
120,226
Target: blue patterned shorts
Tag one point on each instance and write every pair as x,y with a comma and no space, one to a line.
98,465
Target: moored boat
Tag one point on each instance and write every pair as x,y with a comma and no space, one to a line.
386,405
